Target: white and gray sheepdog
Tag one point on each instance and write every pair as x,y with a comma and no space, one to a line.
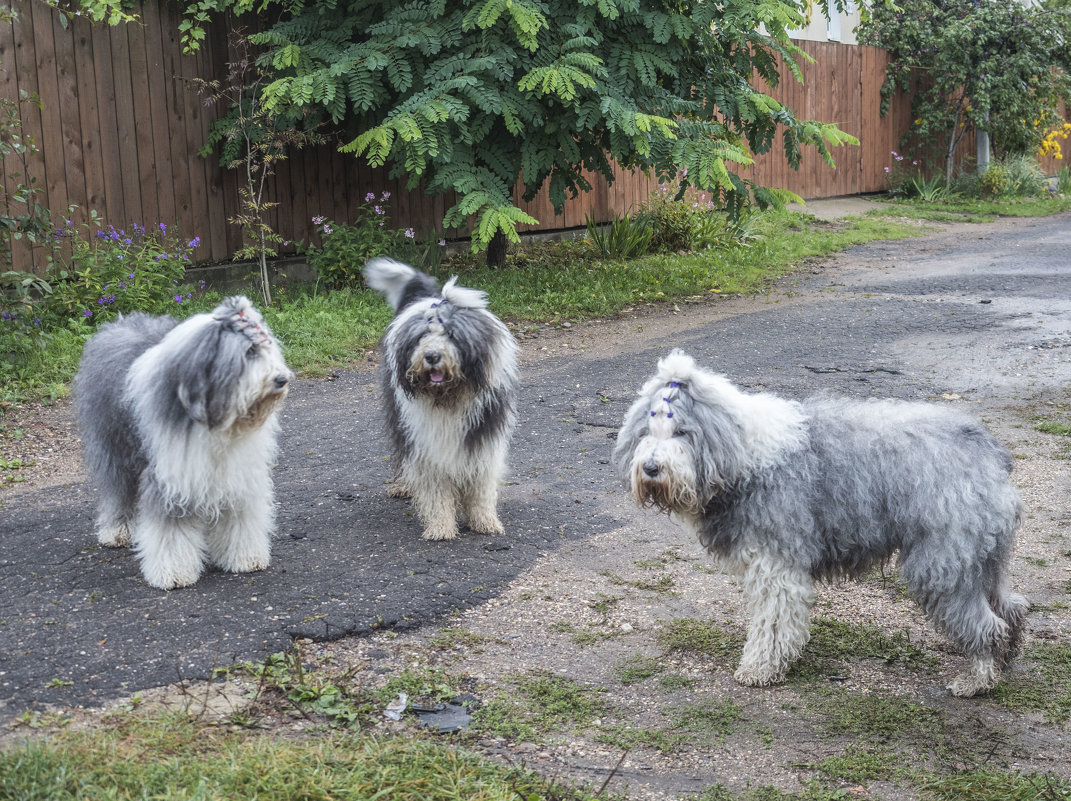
178,430
788,493
449,381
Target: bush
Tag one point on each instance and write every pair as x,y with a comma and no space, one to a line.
93,275
113,271
672,221
1025,177
347,246
994,182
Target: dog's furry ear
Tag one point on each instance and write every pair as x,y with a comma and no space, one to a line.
629,435
208,374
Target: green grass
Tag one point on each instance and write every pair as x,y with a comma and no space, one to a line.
1045,688
702,637
638,667
988,785
537,703
835,642
861,764
175,757
705,725
915,735
1057,427
958,209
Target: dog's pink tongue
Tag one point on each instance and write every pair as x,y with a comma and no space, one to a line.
436,378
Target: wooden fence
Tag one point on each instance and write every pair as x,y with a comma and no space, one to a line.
120,125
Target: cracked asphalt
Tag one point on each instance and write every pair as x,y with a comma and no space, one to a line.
980,314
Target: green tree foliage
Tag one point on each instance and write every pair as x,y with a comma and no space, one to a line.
990,65
468,97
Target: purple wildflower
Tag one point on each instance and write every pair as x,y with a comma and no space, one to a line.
370,197
410,233
87,313
195,242
317,221
178,298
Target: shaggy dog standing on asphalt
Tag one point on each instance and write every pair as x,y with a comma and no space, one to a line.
790,493
178,429
449,379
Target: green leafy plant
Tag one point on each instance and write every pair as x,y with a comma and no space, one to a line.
1064,180
721,231
673,219
347,246
93,274
110,271
1025,177
928,190
622,238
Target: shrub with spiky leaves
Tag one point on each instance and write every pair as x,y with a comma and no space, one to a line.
468,97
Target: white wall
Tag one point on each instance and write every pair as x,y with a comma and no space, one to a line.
839,28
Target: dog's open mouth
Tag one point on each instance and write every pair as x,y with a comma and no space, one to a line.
436,378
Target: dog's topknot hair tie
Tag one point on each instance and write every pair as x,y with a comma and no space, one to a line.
251,328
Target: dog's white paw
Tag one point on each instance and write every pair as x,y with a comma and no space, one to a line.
248,564
397,489
171,578
114,536
758,675
486,523
981,678
441,527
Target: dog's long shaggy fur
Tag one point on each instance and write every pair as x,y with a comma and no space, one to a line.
449,380
788,493
178,429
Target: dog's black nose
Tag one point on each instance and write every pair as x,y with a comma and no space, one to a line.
432,358
651,468
281,381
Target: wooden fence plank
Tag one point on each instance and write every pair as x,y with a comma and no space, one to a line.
47,88
85,81
111,151
75,152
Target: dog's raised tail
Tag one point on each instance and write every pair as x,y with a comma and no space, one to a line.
399,283
463,297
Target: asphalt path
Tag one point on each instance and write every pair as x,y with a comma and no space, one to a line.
982,313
